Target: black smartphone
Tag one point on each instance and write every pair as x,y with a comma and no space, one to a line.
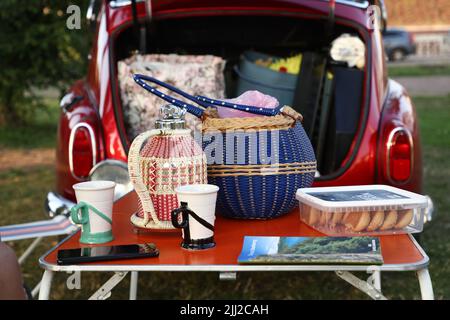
105,253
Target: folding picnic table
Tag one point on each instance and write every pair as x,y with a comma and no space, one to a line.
400,253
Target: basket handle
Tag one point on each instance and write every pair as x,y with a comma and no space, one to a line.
241,107
200,100
134,169
196,111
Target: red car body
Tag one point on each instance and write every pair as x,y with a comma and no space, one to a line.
389,117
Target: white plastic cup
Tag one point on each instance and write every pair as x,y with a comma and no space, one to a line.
201,199
100,195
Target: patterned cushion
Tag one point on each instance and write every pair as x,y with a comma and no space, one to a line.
197,75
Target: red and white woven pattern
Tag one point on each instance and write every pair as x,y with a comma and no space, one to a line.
168,160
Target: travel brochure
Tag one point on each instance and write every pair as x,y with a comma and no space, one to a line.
311,250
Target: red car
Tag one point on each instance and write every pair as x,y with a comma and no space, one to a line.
367,135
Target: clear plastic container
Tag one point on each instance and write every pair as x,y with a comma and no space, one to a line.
362,210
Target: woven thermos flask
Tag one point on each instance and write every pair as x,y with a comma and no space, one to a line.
159,161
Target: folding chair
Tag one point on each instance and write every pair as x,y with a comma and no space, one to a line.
59,225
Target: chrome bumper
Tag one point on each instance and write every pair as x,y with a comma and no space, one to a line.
56,204
429,211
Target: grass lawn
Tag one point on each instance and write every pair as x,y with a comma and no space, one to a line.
418,71
22,193
41,133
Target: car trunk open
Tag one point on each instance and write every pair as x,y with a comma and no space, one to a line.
331,105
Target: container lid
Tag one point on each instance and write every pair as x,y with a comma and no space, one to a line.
360,198
172,118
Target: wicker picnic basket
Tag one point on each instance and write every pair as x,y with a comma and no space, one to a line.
251,187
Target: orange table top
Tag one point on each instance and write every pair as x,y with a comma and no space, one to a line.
400,252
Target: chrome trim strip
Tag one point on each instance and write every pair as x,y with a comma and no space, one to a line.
110,162
66,100
90,16
117,4
231,268
388,151
149,9
56,204
122,187
429,211
361,5
71,141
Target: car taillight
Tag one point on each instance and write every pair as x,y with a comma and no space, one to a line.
82,151
400,155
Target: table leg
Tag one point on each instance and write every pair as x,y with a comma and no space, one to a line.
364,286
29,250
133,285
105,290
426,287
375,279
46,285
36,290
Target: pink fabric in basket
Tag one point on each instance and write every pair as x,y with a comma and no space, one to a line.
250,98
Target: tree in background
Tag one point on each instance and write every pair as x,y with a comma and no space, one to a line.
37,50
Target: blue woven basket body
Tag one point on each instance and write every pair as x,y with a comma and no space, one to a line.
249,192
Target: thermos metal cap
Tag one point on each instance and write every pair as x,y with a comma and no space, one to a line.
172,118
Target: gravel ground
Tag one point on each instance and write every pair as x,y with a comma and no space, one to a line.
23,158
426,86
